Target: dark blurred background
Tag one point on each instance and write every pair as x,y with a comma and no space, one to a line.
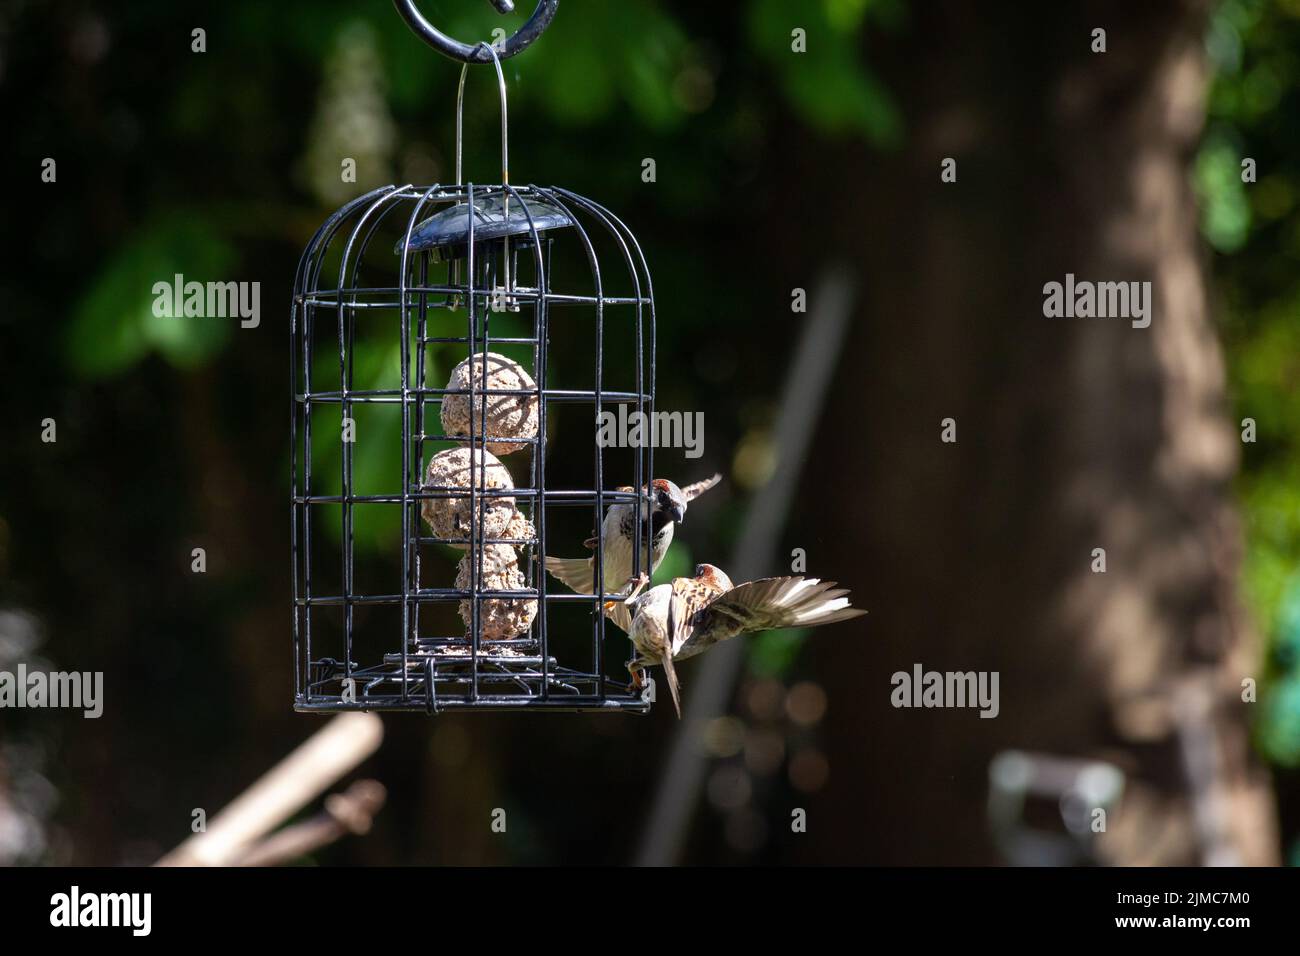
774,169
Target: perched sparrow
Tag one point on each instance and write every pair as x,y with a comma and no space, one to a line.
675,621
662,508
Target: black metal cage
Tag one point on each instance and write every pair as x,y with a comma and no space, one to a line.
463,269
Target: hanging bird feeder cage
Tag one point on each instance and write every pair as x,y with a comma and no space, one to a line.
449,290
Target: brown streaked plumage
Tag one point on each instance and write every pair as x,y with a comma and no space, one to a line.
679,620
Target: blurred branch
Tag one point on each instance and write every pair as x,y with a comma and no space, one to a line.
350,812
711,689
317,764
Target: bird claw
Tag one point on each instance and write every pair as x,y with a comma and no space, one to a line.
635,585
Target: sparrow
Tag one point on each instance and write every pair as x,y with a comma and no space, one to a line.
662,509
675,621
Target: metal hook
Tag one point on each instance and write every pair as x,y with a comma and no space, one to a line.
491,53
464,52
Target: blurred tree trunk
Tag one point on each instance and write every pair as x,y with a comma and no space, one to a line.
1073,434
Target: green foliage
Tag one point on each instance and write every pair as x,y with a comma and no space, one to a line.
631,60
1225,211
114,325
1252,44
614,55
377,450
829,85
772,653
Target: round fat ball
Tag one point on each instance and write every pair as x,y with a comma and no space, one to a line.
499,618
449,517
508,416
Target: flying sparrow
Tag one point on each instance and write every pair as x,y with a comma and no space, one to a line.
662,508
675,621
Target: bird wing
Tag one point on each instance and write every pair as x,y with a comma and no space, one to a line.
689,597
693,491
679,618
577,573
763,605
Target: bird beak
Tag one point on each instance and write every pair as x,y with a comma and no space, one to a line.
679,513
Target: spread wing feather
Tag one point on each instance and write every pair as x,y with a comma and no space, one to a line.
577,573
766,604
694,490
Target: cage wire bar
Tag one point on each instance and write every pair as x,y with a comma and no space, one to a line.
441,672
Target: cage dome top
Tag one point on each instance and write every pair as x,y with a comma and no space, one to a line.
496,214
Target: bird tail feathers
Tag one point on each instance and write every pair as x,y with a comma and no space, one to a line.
670,674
